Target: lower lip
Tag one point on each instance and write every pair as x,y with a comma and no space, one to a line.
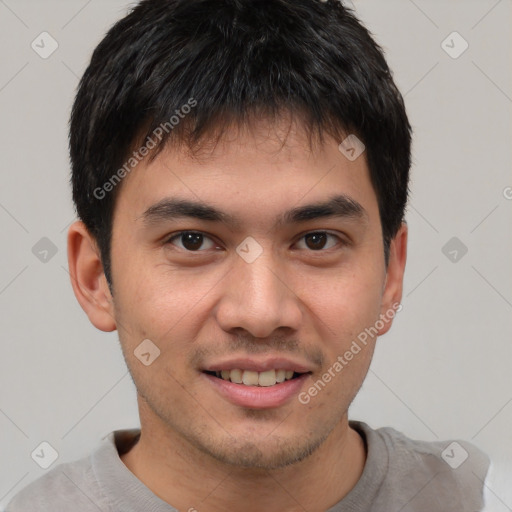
258,397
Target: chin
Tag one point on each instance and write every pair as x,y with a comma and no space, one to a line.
268,453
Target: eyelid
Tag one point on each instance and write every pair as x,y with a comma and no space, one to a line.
341,241
299,237
170,238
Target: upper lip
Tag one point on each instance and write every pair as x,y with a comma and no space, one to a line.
258,365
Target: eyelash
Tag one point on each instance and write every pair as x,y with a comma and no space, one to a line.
180,233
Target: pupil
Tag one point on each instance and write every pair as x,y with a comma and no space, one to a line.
317,237
192,241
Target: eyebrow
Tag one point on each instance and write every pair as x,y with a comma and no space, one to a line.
168,209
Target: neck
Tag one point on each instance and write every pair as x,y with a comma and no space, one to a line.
186,478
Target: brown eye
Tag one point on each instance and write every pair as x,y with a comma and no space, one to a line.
191,240
316,241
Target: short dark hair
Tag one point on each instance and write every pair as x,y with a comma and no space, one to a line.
237,60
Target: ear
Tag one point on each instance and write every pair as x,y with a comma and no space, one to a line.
88,279
393,287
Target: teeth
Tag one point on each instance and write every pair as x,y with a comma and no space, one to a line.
251,378
267,378
234,376
280,375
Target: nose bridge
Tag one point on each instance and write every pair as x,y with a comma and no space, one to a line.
256,296
258,278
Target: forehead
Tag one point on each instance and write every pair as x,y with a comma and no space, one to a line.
266,173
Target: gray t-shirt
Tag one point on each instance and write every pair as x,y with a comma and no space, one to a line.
400,474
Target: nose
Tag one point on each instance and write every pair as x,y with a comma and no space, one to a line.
259,297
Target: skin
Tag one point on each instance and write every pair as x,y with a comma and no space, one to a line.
196,448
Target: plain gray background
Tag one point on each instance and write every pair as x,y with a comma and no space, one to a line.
443,371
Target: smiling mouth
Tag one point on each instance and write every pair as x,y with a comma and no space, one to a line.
251,378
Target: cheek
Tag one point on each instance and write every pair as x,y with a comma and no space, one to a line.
165,304
344,300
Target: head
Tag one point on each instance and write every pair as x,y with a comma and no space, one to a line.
224,118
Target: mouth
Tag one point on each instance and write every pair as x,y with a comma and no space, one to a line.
257,383
256,390
267,378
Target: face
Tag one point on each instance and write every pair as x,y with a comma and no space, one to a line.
260,286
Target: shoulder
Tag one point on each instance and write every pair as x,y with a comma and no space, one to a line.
432,475
458,460
68,486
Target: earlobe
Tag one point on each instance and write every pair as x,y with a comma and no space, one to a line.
393,288
88,279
